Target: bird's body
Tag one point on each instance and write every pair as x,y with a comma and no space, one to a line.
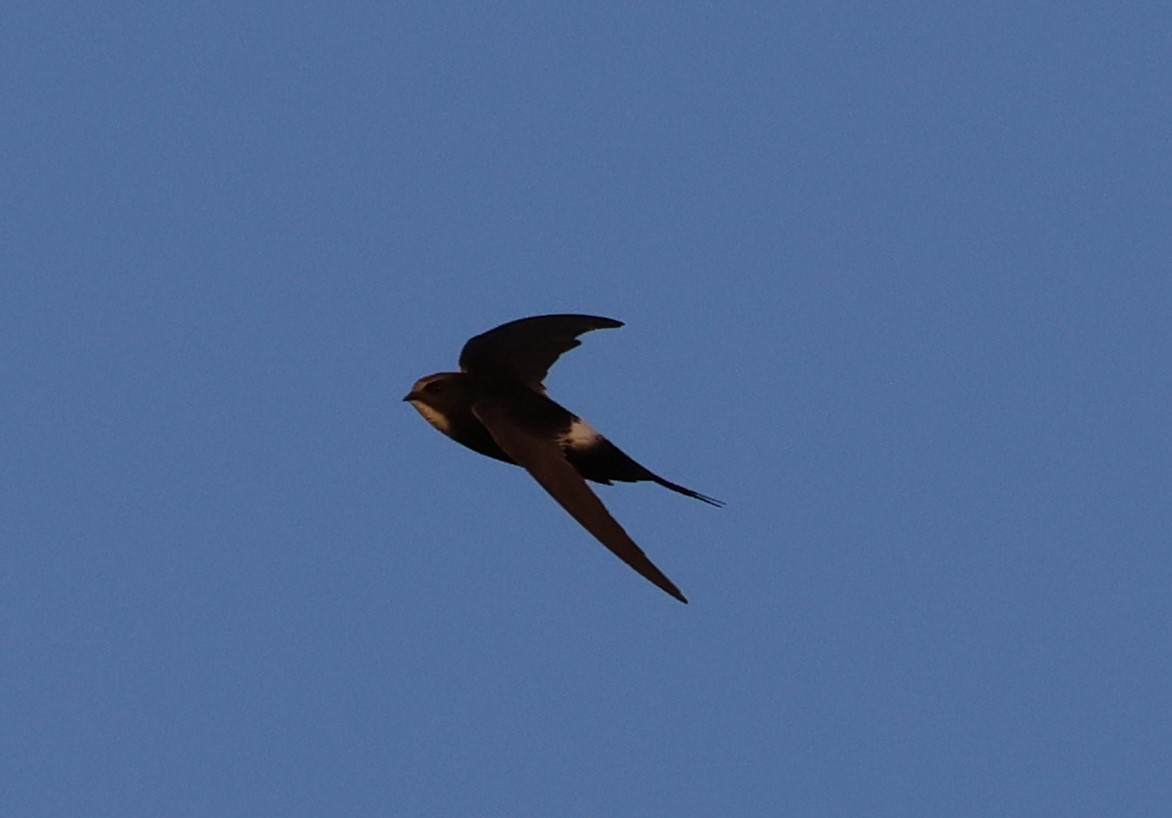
497,407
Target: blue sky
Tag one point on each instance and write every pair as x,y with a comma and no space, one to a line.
896,286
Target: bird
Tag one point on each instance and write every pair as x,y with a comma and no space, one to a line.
497,406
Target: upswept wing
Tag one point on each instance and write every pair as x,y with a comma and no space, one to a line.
544,460
525,349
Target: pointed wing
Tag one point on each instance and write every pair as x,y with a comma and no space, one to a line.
544,460
525,349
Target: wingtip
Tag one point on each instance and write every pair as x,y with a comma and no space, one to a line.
604,322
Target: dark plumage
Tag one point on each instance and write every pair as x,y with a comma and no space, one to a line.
496,405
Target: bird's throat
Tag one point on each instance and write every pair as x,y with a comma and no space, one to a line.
435,418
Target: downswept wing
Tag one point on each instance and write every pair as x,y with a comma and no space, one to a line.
525,349
544,460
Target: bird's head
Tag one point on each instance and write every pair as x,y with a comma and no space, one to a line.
439,398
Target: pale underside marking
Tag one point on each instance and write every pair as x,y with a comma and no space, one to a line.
580,435
436,419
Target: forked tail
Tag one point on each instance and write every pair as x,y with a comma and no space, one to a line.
687,492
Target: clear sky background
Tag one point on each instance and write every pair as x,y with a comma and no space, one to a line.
897,287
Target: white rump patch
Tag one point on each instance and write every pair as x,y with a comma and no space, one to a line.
580,435
436,419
